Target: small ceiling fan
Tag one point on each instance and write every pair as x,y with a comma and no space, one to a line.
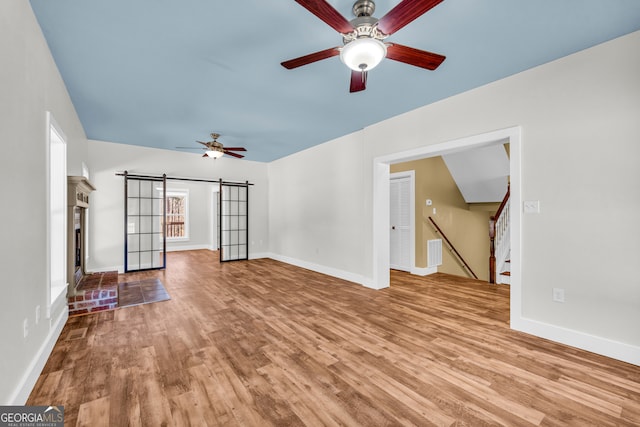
363,38
215,149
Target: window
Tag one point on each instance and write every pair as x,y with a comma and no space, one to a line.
177,215
57,218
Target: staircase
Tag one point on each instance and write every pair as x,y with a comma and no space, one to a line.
505,275
500,236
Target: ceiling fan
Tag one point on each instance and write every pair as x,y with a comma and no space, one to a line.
215,149
363,38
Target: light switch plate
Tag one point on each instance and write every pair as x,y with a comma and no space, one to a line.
531,206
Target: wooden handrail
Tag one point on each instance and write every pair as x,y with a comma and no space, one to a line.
503,204
444,236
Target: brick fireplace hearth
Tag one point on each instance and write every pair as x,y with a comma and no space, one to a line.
84,292
95,292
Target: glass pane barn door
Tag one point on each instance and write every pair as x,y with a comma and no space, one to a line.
234,222
145,240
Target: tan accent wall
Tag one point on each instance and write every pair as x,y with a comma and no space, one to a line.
466,228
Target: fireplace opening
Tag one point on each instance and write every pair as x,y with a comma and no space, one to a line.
78,247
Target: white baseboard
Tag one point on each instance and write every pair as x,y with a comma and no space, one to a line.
603,346
424,271
187,248
329,271
30,377
258,255
118,268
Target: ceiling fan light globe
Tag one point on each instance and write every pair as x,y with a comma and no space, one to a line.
214,154
363,54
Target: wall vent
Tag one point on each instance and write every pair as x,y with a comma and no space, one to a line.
434,252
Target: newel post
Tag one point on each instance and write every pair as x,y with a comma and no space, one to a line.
492,250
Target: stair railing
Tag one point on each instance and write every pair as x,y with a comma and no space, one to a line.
499,233
452,248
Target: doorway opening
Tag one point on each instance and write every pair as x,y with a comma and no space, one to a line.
381,201
220,222
455,198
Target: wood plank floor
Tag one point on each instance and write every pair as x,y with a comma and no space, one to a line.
261,343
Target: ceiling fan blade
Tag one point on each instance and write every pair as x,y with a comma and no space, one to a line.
327,14
190,148
235,148
312,57
233,154
416,57
405,12
358,81
203,143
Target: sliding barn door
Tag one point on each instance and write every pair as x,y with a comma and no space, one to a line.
234,221
145,218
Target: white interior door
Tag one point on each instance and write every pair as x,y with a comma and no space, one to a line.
400,226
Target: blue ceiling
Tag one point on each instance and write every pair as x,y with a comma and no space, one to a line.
164,73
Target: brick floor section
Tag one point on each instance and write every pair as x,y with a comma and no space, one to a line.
96,292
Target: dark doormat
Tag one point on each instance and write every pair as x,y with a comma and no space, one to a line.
141,292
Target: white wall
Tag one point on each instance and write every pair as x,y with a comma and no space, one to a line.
106,227
316,207
580,151
30,85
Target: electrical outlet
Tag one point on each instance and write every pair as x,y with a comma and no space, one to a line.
25,327
558,294
37,314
